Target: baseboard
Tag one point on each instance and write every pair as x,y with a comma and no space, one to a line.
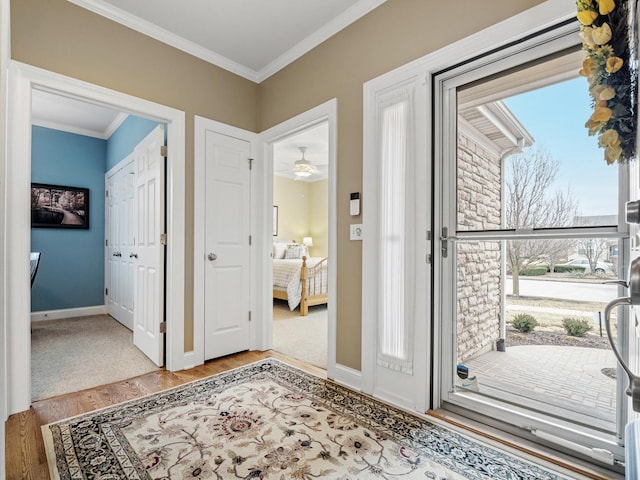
348,377
68,313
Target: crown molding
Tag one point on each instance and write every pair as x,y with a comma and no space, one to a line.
346,18
122,17
63,127
147,28
119,120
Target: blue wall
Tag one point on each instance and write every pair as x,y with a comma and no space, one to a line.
126,137
71,272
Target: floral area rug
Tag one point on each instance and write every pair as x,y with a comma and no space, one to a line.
268,420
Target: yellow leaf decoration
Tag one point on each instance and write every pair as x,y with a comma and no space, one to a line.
612,154
605,7
586,17
601,114
601,35
614,64
607,40
609,138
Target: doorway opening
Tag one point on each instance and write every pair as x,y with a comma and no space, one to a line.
25,80
530,230
83,211
301,244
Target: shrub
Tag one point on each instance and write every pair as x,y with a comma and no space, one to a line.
576,327
569,269
533,271
523,322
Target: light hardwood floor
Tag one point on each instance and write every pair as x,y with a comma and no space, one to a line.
25,455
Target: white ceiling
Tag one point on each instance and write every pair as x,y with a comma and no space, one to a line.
74,116
252,38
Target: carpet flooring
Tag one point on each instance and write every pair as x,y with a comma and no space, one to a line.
269,420
303,338
74,354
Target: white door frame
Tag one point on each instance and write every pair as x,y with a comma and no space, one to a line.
517,27
327,111
201,125
22,79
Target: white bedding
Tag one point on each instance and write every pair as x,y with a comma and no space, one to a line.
286,276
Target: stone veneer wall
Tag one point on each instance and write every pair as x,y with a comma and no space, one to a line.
479,286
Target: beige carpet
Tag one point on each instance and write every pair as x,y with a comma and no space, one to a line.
74,354
303,338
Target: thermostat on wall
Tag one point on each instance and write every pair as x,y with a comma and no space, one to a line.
354,204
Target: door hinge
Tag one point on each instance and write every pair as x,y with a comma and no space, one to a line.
106,292
106,243
163,239
427,258
163,327
249,315
249,240
106,193
164,151
251,163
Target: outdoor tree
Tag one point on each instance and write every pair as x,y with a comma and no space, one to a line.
593,249
532,203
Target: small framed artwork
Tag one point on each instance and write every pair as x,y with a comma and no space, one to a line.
56,206
275,221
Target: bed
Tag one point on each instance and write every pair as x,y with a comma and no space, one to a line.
298,278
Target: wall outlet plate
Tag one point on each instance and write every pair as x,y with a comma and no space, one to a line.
355,231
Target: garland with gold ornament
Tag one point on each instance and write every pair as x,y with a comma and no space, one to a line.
608,33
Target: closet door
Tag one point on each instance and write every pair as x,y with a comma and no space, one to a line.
120,242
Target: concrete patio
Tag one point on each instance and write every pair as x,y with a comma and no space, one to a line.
559,380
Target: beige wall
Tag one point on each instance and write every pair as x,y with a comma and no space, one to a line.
61,37
390,36
292,199
319,218
303,211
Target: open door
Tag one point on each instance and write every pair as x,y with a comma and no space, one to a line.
150,241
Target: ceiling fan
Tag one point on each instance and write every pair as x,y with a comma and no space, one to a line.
303,167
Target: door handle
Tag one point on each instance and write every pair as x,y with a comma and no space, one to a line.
133,255
117,254
212,257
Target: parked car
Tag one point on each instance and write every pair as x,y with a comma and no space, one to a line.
583,264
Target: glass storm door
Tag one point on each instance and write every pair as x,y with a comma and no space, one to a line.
530,231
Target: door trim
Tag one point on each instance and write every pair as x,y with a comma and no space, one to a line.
22,79
327,111
201,125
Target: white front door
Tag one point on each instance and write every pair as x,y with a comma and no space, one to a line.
149,254
227,244
120,241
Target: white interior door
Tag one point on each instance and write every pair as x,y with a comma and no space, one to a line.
149,254
227,244
121,242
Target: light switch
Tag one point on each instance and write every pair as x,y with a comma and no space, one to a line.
356,231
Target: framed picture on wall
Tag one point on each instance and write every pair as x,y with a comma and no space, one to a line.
275,221
59,207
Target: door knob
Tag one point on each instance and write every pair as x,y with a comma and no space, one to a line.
117,254
212,257
133,255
